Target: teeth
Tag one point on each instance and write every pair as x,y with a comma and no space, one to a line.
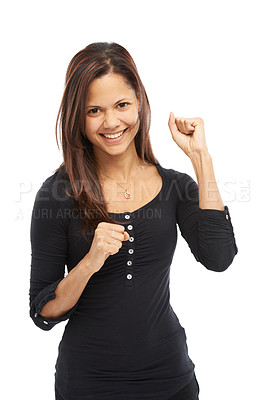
113,136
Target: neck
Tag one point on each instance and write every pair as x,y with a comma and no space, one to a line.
119,167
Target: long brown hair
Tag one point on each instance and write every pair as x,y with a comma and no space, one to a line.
79,165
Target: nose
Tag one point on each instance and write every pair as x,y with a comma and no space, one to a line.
110,120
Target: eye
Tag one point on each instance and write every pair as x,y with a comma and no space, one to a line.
122,103
93,109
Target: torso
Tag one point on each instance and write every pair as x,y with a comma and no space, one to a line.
146,185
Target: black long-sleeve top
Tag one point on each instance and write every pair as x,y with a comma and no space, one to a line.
123,339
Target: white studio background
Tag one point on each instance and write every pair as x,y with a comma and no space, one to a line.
198,59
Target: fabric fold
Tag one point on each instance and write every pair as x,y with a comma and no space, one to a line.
38,302
208,232
217,246
48,234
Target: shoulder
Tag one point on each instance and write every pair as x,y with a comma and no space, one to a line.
180,184
176,175
55,190
52,208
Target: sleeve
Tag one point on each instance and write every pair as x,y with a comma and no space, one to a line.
208,232
48,235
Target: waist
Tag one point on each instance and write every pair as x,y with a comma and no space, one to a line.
124,329
127,355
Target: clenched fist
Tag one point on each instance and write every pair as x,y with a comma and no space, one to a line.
107,241
188,133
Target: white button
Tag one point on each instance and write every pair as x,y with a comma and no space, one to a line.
129,263
226,216
130,227
45,322
35,315
131,251
129,276
131,239
127,216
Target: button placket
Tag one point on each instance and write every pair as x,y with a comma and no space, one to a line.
129,275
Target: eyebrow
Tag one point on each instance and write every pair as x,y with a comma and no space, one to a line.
125,98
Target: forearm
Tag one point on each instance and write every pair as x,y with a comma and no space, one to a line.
68,291
209,195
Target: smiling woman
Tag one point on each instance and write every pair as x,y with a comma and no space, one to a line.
123,339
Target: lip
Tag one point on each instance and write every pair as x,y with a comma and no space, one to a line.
116,140
112,133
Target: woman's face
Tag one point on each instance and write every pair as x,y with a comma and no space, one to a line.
111,108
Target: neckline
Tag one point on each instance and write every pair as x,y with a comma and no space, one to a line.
158,166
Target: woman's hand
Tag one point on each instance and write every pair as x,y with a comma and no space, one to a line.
188,133
107,241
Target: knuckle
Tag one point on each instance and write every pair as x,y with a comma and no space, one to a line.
97,234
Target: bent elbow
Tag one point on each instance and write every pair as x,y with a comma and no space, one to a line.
217,267
221,264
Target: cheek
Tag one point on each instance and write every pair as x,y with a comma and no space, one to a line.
91,127
133,121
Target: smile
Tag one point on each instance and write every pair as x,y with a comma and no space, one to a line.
111,136
114,137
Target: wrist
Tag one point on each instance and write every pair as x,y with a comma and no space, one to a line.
199,154
85,266
203,165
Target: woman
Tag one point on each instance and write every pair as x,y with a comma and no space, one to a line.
109,213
